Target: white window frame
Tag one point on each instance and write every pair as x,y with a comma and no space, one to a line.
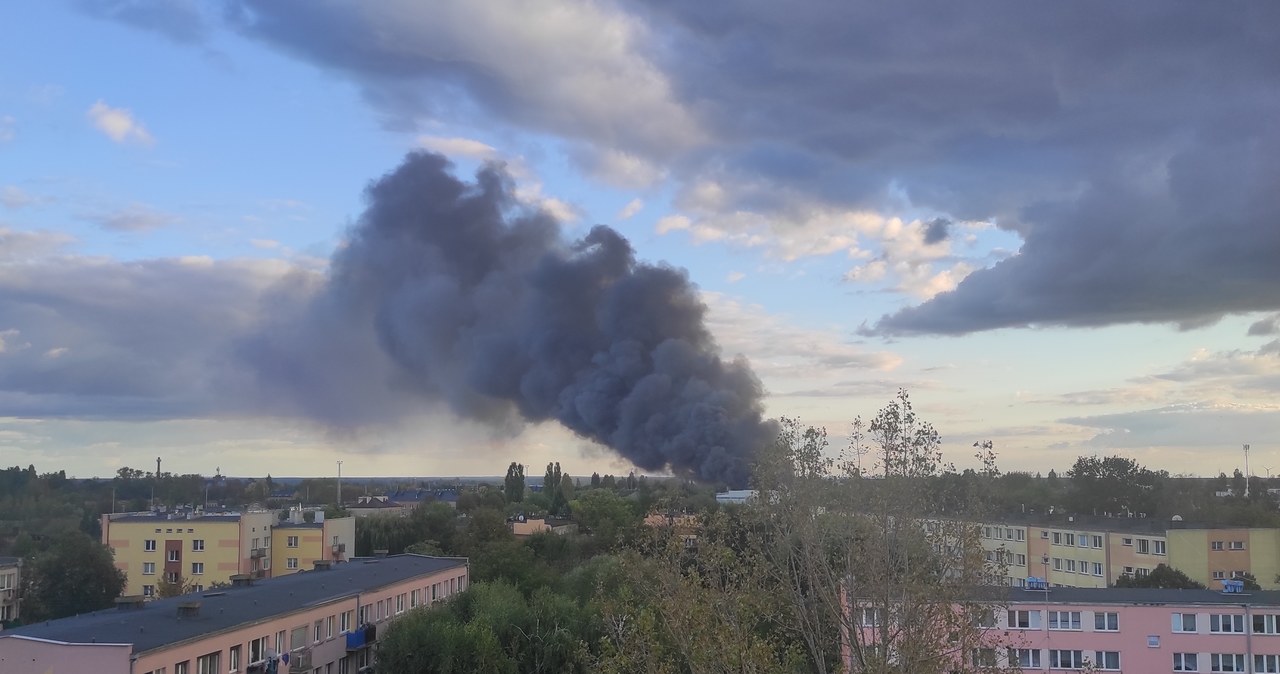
1110,621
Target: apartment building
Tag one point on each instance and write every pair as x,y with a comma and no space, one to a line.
10,590
326,621
297,544
1127,630
1212,555
193,547
1071,553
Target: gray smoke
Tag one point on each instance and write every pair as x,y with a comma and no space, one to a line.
478,301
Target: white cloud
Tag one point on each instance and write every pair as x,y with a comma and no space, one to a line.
8,128
118,124
9,341
735,276
56,352
617,168
631,209
133,218
458,147
264,244
20,246
13,196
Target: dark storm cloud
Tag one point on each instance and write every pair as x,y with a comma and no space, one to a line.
1265,326
937,231
482,305
446,293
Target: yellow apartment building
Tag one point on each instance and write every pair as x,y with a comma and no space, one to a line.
296,545
1009,541
194,547
1213,555
1071,553
1136,552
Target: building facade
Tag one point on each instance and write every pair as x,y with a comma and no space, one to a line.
324,620
1141,631
296,545
1074,554
10,590
194,548
1213,555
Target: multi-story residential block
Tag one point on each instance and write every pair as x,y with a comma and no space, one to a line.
296,544
10,590
366,506
193,547
1127,630
321,621
1071,553
1213,555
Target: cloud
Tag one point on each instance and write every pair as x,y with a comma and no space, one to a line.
1265,326
1207,426
734,276
133,218
118,124
13,196
9,341
25,246
8,128
458,147
178,20
631,209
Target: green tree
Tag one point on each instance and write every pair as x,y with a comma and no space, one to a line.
174,588
74,575
605,515
513,485
1163,576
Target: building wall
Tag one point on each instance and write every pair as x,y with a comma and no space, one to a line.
307,547
1128,556
1193,552
339,538
1264,556
1071,564
255,525
219,557
1010,540
10,588
1189,553
21,655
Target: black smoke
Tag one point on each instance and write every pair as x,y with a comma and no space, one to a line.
479,302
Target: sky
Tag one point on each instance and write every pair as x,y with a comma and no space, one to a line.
1054,225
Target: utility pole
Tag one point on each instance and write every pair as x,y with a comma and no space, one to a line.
339,485
1246,471
154,483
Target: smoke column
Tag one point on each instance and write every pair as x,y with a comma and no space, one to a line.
479,302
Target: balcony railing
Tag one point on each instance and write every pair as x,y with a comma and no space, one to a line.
258,553
363,636
300,662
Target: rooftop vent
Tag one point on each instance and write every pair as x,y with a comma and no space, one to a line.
322,564
131,602
241,580
380,553
188,609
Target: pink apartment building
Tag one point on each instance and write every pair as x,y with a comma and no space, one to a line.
1138,631
324,621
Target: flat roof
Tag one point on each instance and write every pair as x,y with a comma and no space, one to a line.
157,625
1142,595
9,561
162,518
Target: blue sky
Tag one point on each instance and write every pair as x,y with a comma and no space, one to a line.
1057,235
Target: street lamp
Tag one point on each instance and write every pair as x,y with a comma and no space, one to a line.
339,485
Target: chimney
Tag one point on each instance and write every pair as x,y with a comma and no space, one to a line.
319,517
241,580
322,564
188,609
133,602
380,553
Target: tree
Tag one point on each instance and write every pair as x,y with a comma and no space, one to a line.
595,480
513,485
175,587
74,575
1163,576
1114,485
604,514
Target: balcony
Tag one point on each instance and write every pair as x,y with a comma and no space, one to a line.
362,637
258,553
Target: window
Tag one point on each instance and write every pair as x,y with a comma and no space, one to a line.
1185,662
1057,564
258,650
291,563
1025,657
149,545
1064,620
197,545
1226,662
292,541
984,618
233,658
298,638
1265,623
1097,542
197,568
1266,663
148,568
1024,620
318,632
1008,534
1082,540
1071,566
1106,659
1226,623
172,577
1062,659
175,555
1097,569
344,665
1159,547
1106,622
986,532
399,604
1144,546
1057,538
1219,575
329,625
1142,571
345,622
413,598
182,667
1184,622
1237,545
280,642
255,545
1215,545
148,590
1020,559
984,657
1044,534
435,591
1069,539
1126,541
208,664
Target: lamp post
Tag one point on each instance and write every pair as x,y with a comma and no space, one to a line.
339,485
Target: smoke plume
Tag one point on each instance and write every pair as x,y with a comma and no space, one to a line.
477,301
